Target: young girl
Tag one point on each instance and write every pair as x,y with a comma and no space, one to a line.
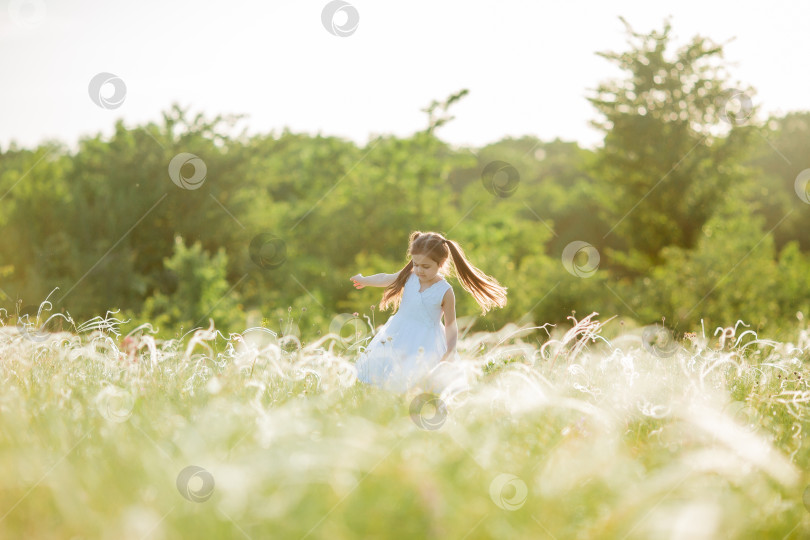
414,341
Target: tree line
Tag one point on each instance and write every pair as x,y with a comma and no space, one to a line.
693,208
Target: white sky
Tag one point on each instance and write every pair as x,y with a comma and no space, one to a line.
528,64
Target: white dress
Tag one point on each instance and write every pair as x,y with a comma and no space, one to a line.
411,343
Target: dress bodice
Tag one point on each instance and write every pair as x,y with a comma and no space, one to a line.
424,306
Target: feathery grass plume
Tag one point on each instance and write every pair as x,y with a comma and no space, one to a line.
586,329
614,442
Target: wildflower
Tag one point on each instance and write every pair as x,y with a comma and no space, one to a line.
355,314
303,309
372,307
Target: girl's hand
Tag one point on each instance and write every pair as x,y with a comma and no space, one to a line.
358,281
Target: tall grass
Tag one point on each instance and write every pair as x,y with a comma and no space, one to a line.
591,431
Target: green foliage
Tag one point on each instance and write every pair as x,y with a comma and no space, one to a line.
196,292
668,156
778,155
731,274
287,444
674,202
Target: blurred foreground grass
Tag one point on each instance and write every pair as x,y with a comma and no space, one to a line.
571,435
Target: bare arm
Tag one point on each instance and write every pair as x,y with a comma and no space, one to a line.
377,280
450,325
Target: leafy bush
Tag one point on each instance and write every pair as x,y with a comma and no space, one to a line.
197,290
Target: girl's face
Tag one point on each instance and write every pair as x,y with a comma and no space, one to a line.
424,267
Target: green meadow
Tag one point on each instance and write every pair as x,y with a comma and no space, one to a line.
590,430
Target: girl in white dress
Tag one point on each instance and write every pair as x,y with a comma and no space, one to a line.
414,341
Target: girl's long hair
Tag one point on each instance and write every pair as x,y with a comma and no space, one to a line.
485,289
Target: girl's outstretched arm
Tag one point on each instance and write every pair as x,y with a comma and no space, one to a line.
377,280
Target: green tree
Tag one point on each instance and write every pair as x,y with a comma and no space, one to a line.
731,274
122,209
779,155
37,253
195,291
669,158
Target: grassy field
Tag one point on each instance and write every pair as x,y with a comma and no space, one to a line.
590,431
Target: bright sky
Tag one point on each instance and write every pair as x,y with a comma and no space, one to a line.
528,64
